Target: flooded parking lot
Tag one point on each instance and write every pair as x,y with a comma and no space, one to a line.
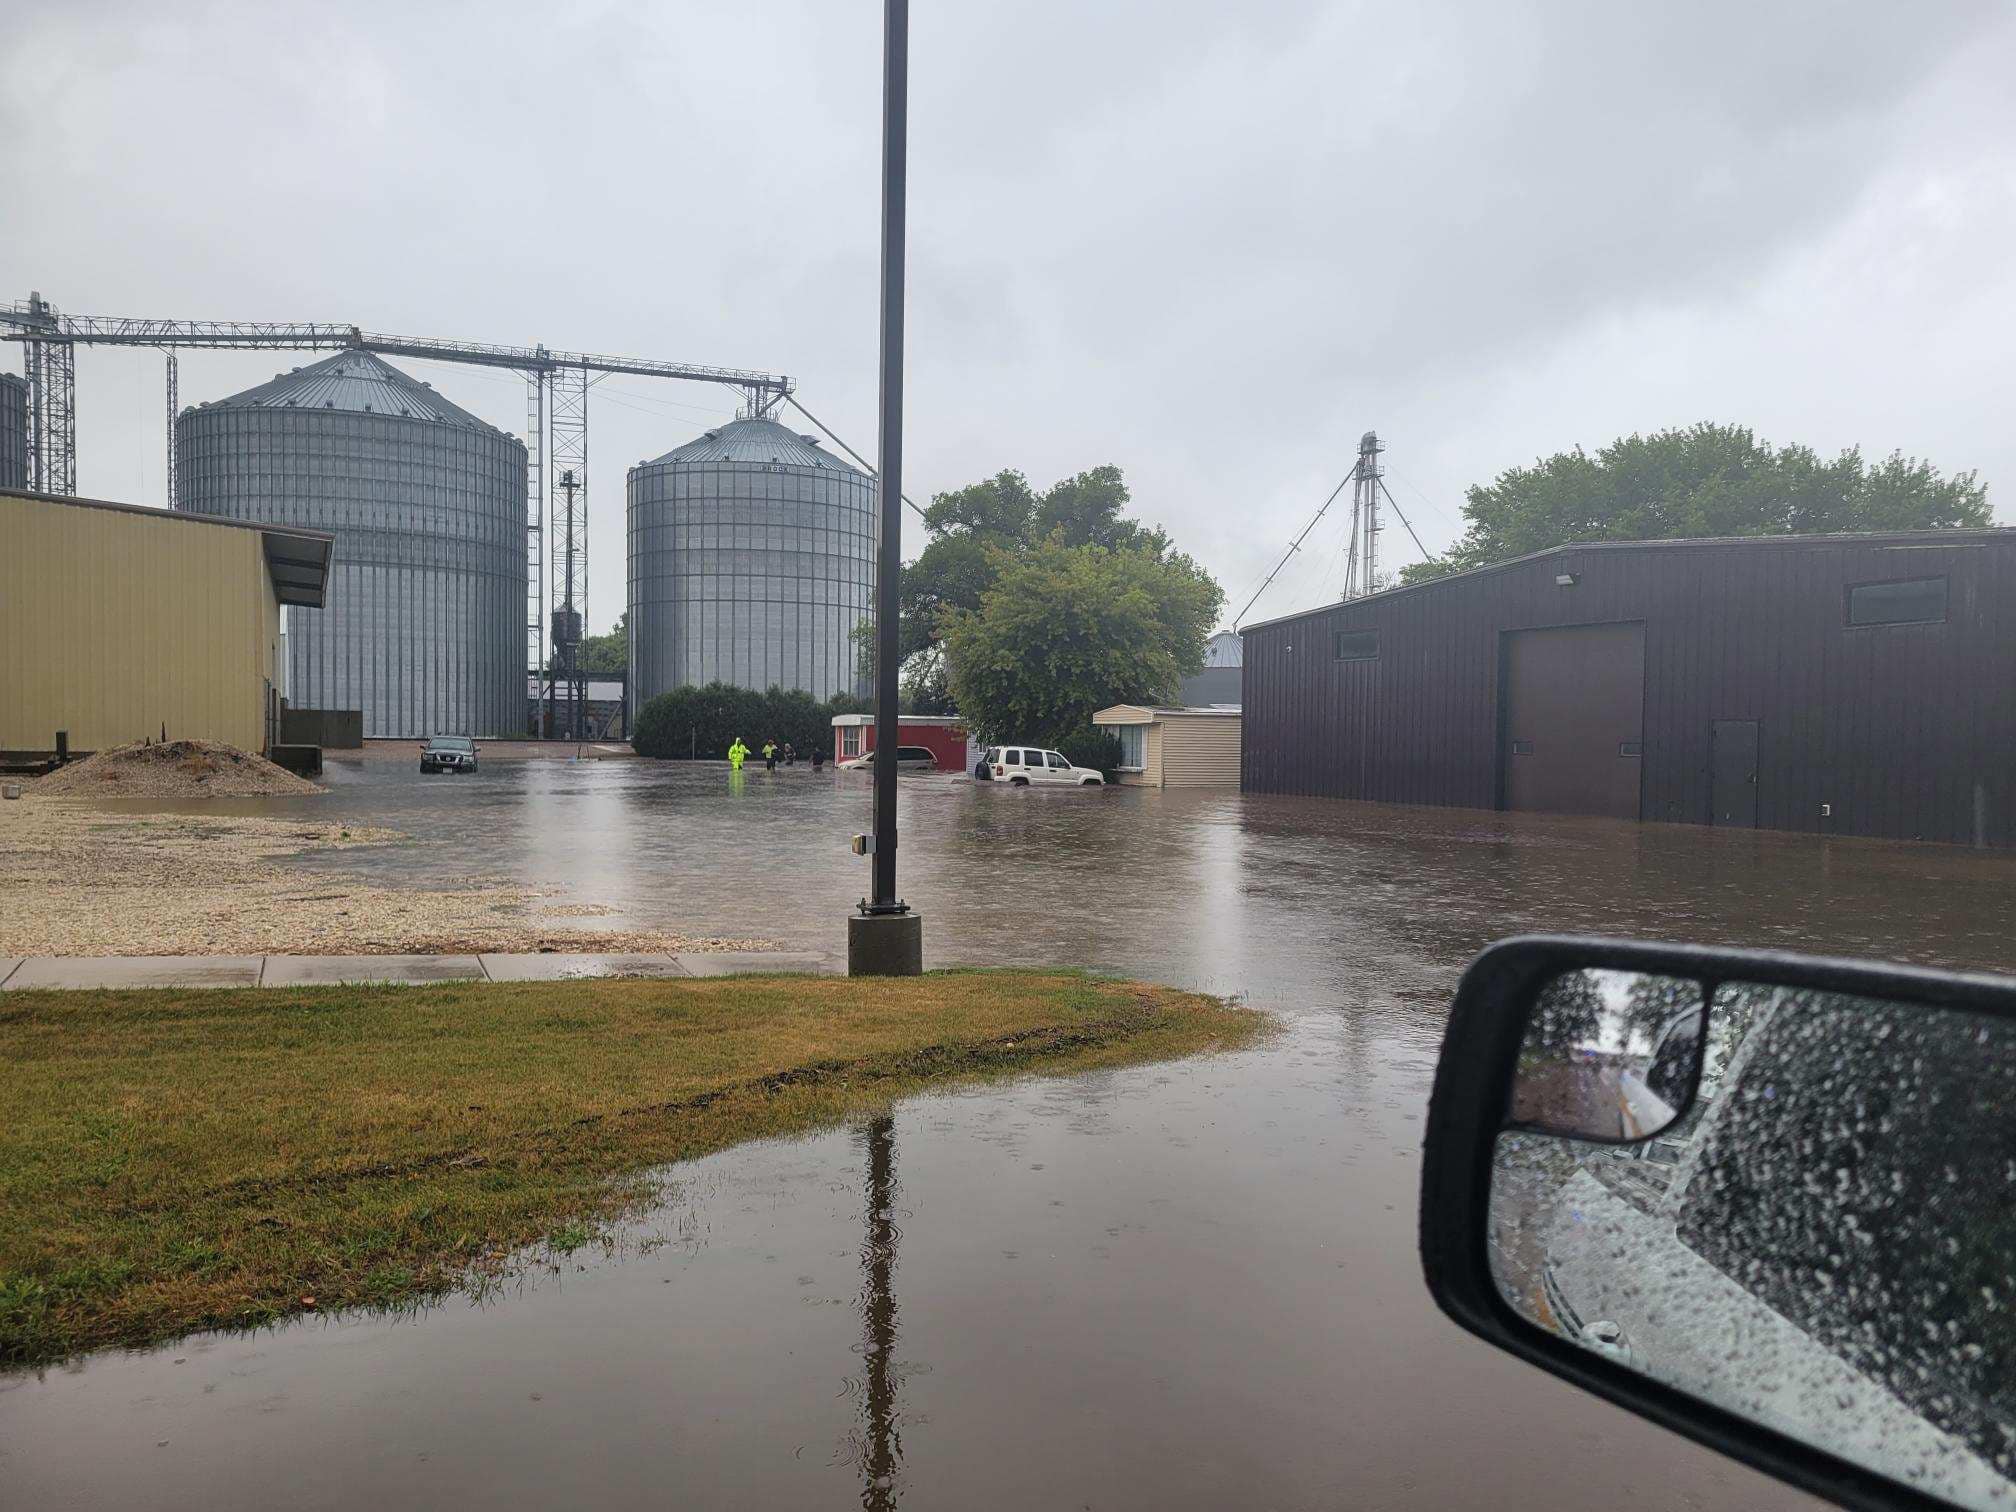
1191,1284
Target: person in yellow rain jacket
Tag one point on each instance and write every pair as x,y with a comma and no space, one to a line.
737,754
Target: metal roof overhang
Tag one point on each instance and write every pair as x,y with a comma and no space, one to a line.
298,562
297,559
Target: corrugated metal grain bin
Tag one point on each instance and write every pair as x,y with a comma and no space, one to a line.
425,626
752,559
1841,684
13,431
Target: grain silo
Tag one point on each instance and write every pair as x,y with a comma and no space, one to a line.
13,431
425,624
752,559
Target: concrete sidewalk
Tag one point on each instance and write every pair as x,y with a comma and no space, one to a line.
308,971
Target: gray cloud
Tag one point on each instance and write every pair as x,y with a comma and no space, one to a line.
1210,245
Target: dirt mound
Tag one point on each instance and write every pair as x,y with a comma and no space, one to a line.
174,769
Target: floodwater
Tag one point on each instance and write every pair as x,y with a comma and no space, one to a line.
1181,1285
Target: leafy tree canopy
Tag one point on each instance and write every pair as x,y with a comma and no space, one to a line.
607,653
1704,480
1066,629
969,526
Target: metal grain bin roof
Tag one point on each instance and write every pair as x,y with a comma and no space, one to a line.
762,441
359,382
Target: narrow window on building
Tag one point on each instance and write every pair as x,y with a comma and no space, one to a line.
1133,746
850,740
1915,601
1356,645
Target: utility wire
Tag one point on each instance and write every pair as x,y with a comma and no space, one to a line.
1429,504
1404,521
1294,545
792,400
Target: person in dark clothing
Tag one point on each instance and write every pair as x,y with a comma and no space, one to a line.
818,758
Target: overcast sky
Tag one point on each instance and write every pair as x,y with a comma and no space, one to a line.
1211,243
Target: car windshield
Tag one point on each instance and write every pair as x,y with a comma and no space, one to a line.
451,743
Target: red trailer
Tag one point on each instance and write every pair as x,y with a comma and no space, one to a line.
944,736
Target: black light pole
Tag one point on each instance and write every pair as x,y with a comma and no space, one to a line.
884,938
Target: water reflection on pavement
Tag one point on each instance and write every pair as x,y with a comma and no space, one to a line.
1183,1285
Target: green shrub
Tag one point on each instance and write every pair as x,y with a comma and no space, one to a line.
703,722
1093,748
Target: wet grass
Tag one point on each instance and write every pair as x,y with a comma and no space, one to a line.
181,1159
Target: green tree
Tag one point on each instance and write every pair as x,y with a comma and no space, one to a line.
1705,480
1065,630
976,532
607,653
1085,511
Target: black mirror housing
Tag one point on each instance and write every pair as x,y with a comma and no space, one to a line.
1485,1053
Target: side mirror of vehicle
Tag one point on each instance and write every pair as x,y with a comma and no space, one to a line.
1766,1200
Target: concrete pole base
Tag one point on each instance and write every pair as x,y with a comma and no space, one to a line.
885,944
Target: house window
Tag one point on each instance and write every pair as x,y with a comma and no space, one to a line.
1356,645
1913,601
1133,746
850,740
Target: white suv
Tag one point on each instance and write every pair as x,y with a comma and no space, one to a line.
1023,765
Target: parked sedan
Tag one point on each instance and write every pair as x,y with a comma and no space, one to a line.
908,759
448,753
1023,766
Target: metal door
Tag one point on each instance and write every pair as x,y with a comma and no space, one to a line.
1574,719
1733,773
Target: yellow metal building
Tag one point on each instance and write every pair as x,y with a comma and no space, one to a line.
1174,748
118,622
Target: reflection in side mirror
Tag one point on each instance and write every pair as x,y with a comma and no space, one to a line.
1609,1055
1821,1240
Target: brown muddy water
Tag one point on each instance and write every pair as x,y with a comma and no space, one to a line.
1179,1285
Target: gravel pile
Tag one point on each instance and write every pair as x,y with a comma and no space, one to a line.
174,769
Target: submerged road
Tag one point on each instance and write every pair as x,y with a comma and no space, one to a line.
1182,1285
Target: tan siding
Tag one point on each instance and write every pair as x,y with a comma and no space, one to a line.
1199,751
1134,714
116,625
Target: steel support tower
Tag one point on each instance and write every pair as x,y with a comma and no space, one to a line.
567,450
51,366
569,689
174,408
538,393
1361,556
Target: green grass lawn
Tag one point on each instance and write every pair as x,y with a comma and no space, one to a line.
176,1159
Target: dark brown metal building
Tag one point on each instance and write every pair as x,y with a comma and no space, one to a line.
1845,684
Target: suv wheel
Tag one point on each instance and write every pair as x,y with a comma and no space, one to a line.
1018,782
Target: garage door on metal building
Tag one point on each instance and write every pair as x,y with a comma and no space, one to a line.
1575,719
